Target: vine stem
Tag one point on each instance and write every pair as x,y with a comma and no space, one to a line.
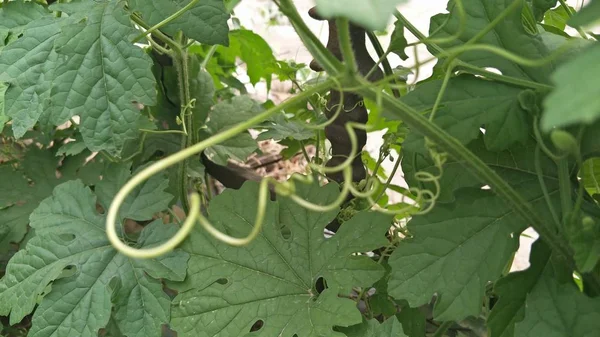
441,330
343,26
387,68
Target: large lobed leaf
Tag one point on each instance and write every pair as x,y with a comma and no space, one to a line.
25,187
82,278
223,116
468,104
457,248
102,75
229,289
15,15
27,65
257,56
508,34
455,251
553,309
205,22
575,97
512,291
543,301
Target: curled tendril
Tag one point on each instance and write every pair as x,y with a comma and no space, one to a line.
421,196
338,111
285,189
350,126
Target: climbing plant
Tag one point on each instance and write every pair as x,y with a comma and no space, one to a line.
117,118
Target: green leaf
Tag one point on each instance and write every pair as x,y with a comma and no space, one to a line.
371,14
455,251
256,54
70,235
205,22
587,16
468,104
516,165
540,7
556,42
458,247
573,100
590,175
512,291
24,188
590,142
559,310
398,41
142,202
413,321
279,128
273,278
584,238
72,148
372,328
102,76
202,89
15,15
223,116
27,64
508,34
557,17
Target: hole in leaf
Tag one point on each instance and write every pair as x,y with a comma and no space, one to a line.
68,271
320,285
328,233
257,325
67,237
286,232
222,281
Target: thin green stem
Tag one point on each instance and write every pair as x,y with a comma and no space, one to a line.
167,20
387,68
343,27
564,183
304,153
158,34
471,69
540,175
380,160
208,56
389,180
440,96
441,330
